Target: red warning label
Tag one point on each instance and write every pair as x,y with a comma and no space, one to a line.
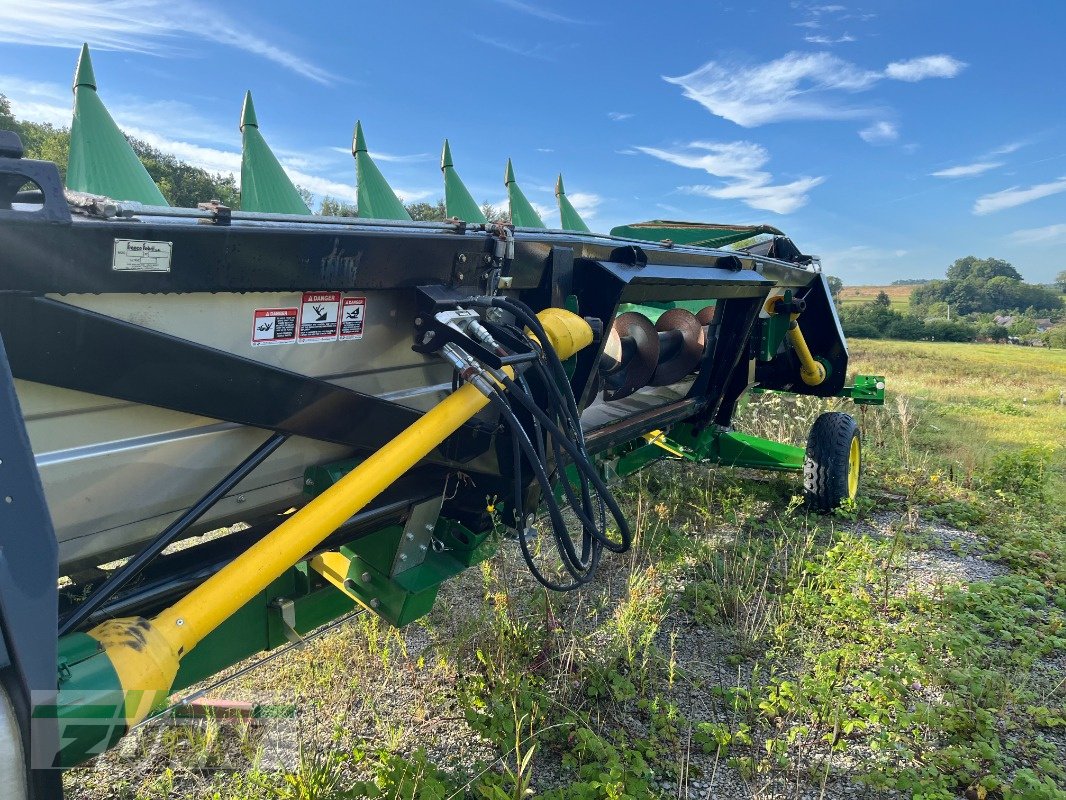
319,312
274,326
353,318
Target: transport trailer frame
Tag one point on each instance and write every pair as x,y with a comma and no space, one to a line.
709,325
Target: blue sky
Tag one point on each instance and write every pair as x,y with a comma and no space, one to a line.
887,137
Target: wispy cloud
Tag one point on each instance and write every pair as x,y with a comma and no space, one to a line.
619,116
154,27
919,69
1016,196
796,86
817,39
967,170
740,164
880,133
585,203
541,13
1049,234
1007,149
393,158
538,51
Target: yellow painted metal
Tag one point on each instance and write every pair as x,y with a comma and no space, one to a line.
812,372
333,566
567,332
854,463
143,659
658,438
146,653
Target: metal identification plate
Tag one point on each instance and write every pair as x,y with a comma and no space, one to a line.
133,255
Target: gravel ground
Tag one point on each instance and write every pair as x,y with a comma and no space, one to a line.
361,685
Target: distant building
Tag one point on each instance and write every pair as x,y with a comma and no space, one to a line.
1002,319
1043,325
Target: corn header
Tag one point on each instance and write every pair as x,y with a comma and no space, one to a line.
382,403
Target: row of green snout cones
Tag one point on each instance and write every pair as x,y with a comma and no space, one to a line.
102,162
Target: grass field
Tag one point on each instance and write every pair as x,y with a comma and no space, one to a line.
971,402
899,296
911,645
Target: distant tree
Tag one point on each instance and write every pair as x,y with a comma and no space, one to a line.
494,213
990,330
981,268
1060,281
428,212
306,195
835,284
883,299
331,207
944,331
183,184
7,119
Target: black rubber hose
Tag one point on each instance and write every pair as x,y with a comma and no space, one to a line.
583,464
580,574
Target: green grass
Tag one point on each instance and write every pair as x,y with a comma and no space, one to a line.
741,635
898,296
970,402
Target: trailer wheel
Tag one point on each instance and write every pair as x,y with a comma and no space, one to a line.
834,460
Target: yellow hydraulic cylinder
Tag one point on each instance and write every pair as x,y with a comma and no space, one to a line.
811,371
145,653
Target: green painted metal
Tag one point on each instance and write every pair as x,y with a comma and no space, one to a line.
654,310
735,449
772,331
90,706
402,597
101,159
375,198
867,390
699,234
458,201
569,219
264,184
522,213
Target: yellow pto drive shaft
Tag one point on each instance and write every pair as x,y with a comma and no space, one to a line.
145,653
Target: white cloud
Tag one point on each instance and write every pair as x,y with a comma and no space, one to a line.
1016,196
142,26
918,69
880,133
1046,235
618,116
797,86
585,203
1007,149
794,86
967,170
815,39
740,163
399,159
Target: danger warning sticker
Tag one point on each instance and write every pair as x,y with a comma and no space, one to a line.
318,316
274,326
353,318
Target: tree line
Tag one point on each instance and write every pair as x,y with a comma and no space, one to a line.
964,307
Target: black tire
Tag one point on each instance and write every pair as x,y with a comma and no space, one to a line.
828,477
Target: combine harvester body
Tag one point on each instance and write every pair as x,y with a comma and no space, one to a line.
341,387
